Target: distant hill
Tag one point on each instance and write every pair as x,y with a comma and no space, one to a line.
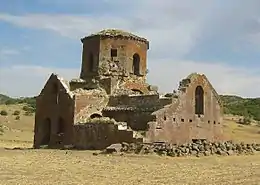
30,101
249,107
242,106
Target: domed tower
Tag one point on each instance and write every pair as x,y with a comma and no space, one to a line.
114,56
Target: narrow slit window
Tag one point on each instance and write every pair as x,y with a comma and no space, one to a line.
113,52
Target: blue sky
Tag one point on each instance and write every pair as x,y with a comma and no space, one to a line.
218,38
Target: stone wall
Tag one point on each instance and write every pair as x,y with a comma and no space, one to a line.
91,46
197,148
123,62
136,110
178,123
136,119
99,135
54,113
135,101
88,103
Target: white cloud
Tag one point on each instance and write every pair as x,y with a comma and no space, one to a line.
174,28
225,79
29,80
8,52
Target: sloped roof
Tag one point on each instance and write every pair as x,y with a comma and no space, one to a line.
63,82
116,33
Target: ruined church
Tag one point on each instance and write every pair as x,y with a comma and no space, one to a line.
112,102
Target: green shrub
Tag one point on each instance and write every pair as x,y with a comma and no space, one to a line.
28,113
3,113
27,108
17,118
1,130
245,121
16,113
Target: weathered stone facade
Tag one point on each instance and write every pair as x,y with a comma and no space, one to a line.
112,86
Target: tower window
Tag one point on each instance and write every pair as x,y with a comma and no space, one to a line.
113,52
136,64
91,62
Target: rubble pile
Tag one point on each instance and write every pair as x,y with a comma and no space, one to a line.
198,148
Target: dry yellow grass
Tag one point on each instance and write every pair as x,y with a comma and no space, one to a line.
81,167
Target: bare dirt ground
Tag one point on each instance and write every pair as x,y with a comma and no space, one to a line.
81,167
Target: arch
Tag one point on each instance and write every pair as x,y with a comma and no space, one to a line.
136,64
137,91
60,126
199,100
46,131
91,62
95,115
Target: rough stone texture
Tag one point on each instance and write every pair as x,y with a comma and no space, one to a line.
178,123
100,135
55,110
112,85
198,148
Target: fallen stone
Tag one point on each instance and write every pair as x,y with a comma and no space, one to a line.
114,148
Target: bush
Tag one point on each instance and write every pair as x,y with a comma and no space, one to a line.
1,130
17,118
245,121
28,109
28,113
3,113
16,113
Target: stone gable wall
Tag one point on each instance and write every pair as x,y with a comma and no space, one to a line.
178,122
48,107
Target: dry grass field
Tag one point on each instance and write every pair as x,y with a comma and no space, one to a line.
81,167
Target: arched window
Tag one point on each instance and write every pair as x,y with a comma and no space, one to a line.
136,64
61,126
91,62
199,100
45,129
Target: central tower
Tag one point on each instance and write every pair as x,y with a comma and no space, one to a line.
116,54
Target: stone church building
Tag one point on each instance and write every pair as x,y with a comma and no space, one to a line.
112,102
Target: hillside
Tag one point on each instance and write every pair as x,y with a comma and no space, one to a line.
248,107
30,101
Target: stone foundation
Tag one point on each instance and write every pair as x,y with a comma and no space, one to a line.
198,148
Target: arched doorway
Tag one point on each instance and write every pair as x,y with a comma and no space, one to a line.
95,116
199,100
136,64
61,126
137,91
46,131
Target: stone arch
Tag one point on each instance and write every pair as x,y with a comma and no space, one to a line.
95,115
45,129
199,100
61,126
137,91
136,64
